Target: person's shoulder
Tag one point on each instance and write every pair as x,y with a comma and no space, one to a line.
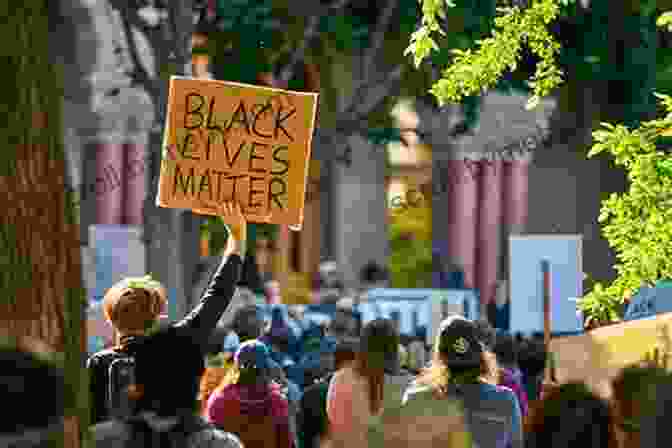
214,438
497,392
316,388
101,356
279,404
226,393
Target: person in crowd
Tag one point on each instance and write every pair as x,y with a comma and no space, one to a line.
329,283
251,324
463,375
281,338
312,421
213,376
532,358
248,403
634,397
371,276
34,393
317,361
361,394
510,374
167,406
133,306
655,431
570,415
417,355
488,332
217,368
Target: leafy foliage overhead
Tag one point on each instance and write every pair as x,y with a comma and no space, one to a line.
637,223
475,71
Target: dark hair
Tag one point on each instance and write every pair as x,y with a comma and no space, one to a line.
532,358
570,415
379,348
372,272
655,430
26,378
248,323
172,350
345,352
635,394
506,350
488,335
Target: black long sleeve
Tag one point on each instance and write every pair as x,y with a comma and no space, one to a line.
214,300
202,320
312,418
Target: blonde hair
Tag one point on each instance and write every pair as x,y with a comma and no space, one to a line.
134,304
438,375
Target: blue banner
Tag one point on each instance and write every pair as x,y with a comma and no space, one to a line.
649,302
418,312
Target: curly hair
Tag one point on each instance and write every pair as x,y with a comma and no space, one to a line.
134,308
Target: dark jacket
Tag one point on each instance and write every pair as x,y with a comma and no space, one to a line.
201,320
312,419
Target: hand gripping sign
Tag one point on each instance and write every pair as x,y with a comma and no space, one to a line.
227,141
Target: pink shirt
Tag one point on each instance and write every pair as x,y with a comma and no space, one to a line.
236,400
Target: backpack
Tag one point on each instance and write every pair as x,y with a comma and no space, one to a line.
121,375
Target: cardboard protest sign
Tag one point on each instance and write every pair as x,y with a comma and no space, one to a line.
227,141
598,356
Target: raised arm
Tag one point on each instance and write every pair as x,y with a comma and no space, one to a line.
222,285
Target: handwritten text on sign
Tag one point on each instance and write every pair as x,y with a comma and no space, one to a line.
227,141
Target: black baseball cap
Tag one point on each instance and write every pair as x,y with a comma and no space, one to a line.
460,342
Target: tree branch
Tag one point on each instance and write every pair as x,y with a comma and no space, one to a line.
311,32
181,29
139,75
378,37
377,92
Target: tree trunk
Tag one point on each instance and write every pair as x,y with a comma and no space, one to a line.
43,296
172,236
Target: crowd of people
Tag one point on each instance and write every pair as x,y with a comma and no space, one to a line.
288,383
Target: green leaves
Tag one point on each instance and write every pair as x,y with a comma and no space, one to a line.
422,43
473,72
665,20
638,223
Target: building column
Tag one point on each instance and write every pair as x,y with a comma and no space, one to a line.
515,202
515,194
108,186
462,218
489,228
135,187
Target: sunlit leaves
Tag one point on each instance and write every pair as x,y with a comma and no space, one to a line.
474,71
638,223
